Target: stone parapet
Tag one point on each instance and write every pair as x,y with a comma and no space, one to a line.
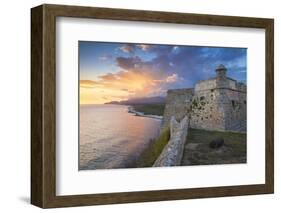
173,152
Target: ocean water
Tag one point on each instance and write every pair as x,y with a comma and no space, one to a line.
110,137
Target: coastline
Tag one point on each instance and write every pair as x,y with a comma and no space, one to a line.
141,114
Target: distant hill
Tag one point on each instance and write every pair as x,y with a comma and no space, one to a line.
113,102
145,100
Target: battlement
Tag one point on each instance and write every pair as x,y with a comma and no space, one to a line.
221,81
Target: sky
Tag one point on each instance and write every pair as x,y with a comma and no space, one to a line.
121,71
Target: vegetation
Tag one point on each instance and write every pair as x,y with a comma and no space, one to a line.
151,153
150,109
198,152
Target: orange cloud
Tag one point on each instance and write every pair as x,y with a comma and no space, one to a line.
123,85
88,83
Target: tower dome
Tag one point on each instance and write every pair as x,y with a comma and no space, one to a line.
221,71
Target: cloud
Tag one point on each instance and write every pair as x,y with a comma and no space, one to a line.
169,79
123,83
173,78
134,81
88,83
128,48
157,68
175,49
108,77
144,47
131,48
128,63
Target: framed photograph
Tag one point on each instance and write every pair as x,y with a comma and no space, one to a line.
137,106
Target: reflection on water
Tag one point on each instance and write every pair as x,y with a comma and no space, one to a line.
110,137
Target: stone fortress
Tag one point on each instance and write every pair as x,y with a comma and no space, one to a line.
217,103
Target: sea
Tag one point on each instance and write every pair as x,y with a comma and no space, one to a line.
111,137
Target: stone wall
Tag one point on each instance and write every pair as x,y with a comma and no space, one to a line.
236,111
206,85
177,104
215,104
207,110
219,109
173,152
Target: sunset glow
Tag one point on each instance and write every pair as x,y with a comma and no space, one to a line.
115,72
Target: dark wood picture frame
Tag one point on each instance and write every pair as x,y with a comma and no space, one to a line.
43,105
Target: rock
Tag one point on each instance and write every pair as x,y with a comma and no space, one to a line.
217,143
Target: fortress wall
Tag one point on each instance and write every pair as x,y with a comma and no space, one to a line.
232,84
215,104
177,104
236,111
219,109
215,109
242,87
206,85
206,112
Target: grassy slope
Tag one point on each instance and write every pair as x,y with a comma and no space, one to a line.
150,109
197,151
151,153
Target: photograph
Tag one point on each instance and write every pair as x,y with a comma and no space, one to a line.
158,105
169,105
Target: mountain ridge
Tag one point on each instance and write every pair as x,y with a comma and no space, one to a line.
144,100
